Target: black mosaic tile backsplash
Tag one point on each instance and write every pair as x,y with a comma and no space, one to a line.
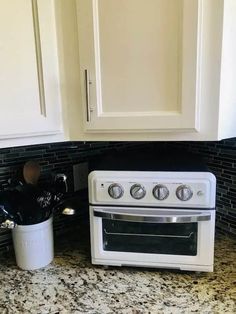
220,158
60,157
53,158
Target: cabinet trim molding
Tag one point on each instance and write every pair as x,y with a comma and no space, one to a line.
39,61
32,134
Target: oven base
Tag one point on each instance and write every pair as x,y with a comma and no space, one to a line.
184,267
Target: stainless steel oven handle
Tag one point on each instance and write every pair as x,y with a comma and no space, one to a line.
153,219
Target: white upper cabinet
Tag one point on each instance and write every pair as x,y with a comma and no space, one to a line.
139,61
148,69
29,91
227,110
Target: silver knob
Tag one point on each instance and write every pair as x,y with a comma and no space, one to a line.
137,191
160,192
184,193
115,191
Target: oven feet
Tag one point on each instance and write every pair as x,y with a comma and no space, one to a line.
106,267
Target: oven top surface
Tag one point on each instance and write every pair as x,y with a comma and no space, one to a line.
150,160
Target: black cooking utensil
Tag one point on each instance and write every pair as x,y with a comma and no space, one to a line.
9,204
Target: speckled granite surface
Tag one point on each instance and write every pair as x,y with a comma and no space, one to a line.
72,285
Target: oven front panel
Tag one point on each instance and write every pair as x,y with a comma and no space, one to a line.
120,237
202,185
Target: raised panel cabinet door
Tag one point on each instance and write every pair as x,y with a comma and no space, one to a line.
139,64
29,97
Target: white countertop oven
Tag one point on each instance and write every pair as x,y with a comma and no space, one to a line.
160,219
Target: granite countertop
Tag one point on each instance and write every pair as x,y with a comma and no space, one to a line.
72,285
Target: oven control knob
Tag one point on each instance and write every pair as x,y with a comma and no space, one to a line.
184,193
137,191
115,191
160,192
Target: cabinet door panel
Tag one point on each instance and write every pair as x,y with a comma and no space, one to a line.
139,53
141,59
24,100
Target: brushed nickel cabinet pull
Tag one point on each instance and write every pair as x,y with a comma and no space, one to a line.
87,87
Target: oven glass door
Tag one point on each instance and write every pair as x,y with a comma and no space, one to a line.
156,238
182,234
